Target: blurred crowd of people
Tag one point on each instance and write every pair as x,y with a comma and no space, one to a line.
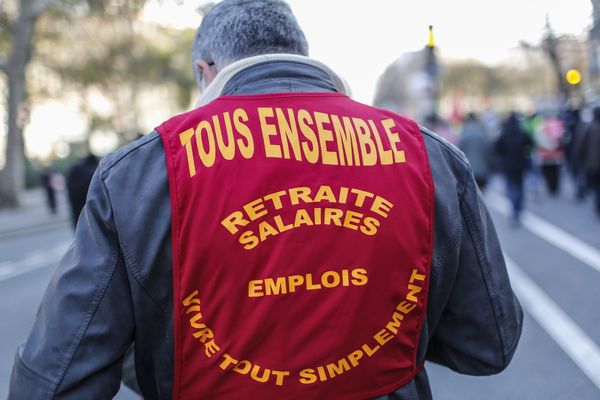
537,150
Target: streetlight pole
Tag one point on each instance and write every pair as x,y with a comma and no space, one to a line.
432,71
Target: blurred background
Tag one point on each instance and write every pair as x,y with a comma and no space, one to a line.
80,78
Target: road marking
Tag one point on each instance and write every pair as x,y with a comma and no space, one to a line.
34,260
582,251
5,271
582,350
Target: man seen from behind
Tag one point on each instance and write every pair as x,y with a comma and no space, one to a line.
278,241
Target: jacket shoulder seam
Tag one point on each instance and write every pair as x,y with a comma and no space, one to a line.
111,163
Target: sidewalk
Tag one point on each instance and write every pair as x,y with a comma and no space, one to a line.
34,215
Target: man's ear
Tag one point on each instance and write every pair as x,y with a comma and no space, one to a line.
209,71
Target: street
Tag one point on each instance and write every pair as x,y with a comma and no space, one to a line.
553,259
553,360
27,260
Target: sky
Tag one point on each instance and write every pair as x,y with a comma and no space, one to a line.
359,39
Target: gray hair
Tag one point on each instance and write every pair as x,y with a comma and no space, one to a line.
237,29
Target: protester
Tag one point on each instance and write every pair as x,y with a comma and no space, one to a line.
549,146
513,149
475,143
48,182
276,242
588,154
574,128
78,181
533,125
571,119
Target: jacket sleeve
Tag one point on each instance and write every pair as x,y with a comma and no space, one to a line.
84,324
481,324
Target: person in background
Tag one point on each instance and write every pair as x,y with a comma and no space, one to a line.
78,181
533,125
47,177
491,121
571,119
587,150
549,147
475,143
574,128
513,149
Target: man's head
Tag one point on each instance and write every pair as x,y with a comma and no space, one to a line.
237,29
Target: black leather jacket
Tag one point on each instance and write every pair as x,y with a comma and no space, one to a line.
114,285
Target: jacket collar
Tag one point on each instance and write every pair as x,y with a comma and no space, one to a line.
279,76
273,73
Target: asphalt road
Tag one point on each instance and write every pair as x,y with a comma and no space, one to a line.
554,261
27,262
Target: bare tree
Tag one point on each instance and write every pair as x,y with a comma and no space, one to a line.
550,46
14,64
114,66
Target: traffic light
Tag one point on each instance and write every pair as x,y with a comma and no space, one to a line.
573,77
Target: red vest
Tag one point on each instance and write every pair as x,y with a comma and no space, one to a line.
302,243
